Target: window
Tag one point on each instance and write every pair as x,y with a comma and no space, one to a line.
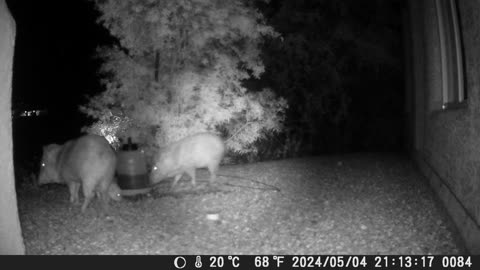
452,69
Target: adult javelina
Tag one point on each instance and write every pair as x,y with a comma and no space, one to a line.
196,151
88,161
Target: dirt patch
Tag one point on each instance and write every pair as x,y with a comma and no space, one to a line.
355,204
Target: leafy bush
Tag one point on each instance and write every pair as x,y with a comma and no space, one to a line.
178,70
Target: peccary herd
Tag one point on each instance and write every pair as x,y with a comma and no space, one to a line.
90,162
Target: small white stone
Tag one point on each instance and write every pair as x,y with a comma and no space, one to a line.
213,217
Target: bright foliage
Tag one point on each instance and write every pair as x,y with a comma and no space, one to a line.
178,70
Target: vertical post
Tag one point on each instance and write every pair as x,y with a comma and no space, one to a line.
11,241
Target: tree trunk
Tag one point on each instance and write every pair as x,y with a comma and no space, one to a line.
11,241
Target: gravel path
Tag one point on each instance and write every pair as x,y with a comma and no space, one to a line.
353,204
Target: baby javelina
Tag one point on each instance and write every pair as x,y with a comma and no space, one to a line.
202,150
89,162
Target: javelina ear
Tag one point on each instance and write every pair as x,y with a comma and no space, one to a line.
50,148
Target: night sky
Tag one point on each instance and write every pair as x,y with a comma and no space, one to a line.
55,70
56,42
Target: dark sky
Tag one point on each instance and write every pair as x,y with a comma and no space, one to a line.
54,70
56,40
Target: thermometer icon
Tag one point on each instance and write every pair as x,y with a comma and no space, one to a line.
198,262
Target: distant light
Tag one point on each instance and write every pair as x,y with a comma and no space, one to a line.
33,113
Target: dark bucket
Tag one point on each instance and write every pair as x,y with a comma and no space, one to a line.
132,174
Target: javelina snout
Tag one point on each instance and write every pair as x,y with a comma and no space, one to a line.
202,150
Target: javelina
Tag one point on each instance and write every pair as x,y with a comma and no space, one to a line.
196,151
114,191
88,161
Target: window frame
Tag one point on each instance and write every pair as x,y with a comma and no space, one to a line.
454,93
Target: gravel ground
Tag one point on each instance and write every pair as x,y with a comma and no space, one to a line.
352,204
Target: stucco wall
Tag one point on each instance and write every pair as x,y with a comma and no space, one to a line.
10,233
450,152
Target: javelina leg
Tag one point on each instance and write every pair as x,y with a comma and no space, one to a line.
86,201
104,197
177,177
213,169
77,192
88,194
103,194
73,188
191,173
